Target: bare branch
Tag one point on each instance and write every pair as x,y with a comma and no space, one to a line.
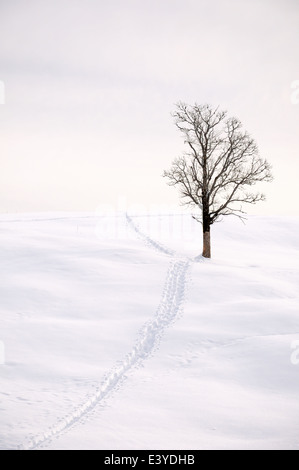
223,161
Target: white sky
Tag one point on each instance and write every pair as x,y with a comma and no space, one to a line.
90,85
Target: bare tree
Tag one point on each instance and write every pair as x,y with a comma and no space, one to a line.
221,165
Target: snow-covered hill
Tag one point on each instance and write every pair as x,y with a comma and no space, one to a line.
117,335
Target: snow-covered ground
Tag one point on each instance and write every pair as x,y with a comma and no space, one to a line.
118,336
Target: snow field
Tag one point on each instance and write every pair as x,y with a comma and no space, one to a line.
131,343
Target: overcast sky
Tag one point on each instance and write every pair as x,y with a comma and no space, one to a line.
90,86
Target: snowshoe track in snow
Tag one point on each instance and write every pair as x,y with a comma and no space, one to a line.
168,310
148,241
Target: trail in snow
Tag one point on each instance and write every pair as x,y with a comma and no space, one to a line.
158,246
148,339
148,241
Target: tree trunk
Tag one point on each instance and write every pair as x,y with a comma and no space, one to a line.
206,227
206,253
206,221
